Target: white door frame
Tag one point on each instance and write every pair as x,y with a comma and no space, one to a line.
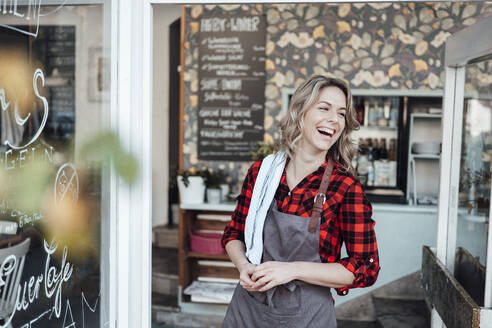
132,113
470,45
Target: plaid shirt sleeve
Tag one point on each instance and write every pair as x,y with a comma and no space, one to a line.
235,229
357,229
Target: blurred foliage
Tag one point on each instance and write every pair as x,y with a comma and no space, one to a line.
16,76
28,192
214,179
63,204
191,172
265,149
106,148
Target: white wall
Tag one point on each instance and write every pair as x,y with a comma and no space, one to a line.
401,234
164,15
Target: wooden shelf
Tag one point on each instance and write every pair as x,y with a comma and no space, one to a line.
190,262
223,257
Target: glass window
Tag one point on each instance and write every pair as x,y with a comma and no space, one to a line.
476,160
54,211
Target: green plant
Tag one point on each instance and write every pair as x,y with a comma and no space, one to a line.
214,179
265,149
191,172
480,179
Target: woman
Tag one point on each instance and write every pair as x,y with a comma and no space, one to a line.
295,210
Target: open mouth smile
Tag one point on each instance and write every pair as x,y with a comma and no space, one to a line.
326,131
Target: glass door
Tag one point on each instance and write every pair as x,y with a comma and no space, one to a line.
475,164
464,239
54,194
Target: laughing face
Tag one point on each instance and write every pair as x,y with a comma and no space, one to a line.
324,121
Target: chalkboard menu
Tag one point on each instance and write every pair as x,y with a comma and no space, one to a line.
232,86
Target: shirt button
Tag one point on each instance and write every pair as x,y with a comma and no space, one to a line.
288,193
371,260
344,292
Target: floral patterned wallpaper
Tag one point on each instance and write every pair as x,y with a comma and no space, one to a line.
374,46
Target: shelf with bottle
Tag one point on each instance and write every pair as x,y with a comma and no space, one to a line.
376,164
377,112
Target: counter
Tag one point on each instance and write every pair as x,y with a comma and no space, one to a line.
377,207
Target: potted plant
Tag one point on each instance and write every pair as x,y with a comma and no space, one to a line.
264,150
224,186
213,181
191,185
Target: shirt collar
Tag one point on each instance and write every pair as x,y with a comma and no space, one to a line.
321,169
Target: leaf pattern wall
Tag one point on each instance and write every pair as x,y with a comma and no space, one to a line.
374,46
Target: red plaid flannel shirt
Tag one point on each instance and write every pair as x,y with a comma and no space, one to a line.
346,218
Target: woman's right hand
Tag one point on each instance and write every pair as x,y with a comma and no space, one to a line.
236,251
245,272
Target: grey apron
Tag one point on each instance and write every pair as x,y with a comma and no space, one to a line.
287,238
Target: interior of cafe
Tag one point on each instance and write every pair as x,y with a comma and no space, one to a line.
392,54
128,128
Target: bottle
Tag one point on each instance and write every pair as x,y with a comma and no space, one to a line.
382,120
376,150
387,109
392,150
393,117
360,145
370,168
369,147
366,112
362,163
383,150
359,111
372,117
392,162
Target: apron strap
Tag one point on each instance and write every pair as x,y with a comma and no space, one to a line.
320,198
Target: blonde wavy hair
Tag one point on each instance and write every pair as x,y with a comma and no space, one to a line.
292,124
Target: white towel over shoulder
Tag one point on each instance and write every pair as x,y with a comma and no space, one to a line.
266,185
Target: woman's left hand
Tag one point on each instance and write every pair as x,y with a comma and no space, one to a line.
270,274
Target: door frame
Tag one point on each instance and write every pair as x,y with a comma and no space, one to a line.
470,45
132,120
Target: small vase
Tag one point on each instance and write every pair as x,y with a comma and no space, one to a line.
213,196
194,193
224,192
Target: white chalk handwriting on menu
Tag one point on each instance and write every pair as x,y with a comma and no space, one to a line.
53,279
233,24
68,320
25,13
10,160
232,80
38,74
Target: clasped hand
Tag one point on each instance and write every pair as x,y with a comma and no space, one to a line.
266,275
